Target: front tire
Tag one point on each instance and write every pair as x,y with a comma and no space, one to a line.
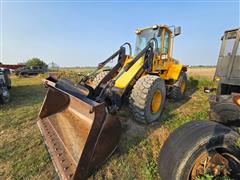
99,77
200,148
147,98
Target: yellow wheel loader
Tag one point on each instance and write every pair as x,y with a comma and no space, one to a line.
79,122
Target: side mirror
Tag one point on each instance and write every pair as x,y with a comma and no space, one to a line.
209,90
177,31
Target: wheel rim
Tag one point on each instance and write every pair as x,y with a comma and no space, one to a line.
212,164
183,87
156,101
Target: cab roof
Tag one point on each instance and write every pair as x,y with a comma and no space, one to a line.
156,26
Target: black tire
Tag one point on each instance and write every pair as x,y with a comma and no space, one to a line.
141,98
225,110
179,153
4,98
175,91
99,78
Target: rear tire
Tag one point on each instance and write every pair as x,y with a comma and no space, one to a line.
178,91
99,78
185,147
147,98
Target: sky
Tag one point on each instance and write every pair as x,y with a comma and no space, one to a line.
84,33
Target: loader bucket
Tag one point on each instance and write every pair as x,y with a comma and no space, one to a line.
78,132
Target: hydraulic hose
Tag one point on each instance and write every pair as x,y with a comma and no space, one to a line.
129,46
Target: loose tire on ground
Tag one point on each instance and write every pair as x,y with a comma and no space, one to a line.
99,78
178,91
147,98
183,150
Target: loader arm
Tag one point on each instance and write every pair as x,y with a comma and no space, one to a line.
121,57
113,95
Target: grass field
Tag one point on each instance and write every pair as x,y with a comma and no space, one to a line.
23,154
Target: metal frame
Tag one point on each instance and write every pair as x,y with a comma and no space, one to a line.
228,79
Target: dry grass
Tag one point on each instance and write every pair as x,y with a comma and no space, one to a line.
202,72
23,154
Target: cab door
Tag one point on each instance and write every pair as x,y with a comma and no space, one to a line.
165,45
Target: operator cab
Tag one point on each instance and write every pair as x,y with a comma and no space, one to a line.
161,33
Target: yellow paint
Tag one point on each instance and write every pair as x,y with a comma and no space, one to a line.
174,71
156,101
237,100
124,80
128,59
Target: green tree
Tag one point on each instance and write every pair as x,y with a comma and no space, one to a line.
36,62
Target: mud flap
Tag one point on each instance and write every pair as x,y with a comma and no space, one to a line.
79,133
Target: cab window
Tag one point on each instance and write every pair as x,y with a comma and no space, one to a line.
229,47
166,37
144,37
230,40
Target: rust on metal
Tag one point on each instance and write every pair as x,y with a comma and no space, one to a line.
78,132
210,163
